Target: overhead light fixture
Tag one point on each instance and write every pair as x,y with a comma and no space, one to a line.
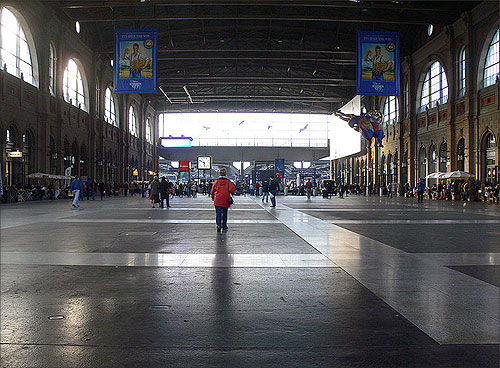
188,94
164,94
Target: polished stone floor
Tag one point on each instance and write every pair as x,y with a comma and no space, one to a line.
354,282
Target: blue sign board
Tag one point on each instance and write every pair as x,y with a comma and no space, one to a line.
136,61
279,168
377,69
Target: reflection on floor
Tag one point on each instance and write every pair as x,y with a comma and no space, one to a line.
363,281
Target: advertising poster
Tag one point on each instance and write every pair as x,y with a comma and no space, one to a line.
279,168
136,61
377,67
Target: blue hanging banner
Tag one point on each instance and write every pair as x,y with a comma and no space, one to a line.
377,69
136,61
279,168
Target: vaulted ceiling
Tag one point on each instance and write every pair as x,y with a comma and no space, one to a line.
257,55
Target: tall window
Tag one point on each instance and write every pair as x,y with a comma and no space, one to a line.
435,87
391,110
52,69
132,122
73,86
406,94
461,70
109,108
491,65
14,48
149,136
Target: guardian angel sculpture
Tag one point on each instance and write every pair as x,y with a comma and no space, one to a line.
369,124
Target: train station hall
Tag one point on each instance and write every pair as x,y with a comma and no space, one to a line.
249,183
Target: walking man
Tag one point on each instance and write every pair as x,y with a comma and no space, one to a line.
273,190
76,188
420,191
164,192
265,191
309,188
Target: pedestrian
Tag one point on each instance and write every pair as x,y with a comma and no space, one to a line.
164,192
102,189
420,191
76,188
221,195
155,191
273,191
265,191
309,187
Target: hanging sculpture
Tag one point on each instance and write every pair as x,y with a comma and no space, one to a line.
369,124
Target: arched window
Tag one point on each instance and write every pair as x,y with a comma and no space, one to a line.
109,108
149,136
391,110
461,71
491,65
14,49
435,87
52,69
132,122
73,86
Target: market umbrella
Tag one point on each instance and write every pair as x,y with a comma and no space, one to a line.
38,175
436,175
458,175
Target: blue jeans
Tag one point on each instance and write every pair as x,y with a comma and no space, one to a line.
266,196
76,197
273,197
221,217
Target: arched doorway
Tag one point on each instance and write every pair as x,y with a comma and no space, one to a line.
404,168
488,159
27,155
84,172
461,155
53,155
390,167
363,172
383,172
13,158
358,174
422,161
432,164
443,157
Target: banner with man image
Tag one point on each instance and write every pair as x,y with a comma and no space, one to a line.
136,61
377,70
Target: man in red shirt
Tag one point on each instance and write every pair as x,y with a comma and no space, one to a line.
221,195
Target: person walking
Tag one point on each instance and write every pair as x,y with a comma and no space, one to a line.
265,191
309,188
221,195
76,188
102,189
155,191
164,192
273,191
420,191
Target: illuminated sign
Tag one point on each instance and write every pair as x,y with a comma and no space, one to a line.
135,173
184,166
15,154
176,142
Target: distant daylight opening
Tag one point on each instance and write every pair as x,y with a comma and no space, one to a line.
247,129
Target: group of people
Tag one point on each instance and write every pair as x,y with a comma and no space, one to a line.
469,190
220,191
